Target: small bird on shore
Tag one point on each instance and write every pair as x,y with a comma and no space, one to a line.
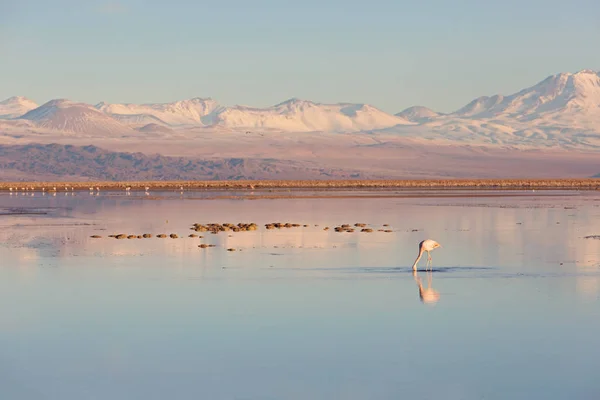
426,245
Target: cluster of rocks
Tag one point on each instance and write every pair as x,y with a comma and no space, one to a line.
144,236
363,228
279,225
216,227
344,228
350,229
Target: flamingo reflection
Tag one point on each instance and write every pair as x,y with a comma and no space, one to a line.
427,295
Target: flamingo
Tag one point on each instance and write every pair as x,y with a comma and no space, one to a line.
426,245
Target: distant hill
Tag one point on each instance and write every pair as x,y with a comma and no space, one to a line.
155,128
66,162
71,117
418,114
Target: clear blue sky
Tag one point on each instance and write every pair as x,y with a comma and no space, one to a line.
392,54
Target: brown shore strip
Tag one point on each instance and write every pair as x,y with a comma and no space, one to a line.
455,184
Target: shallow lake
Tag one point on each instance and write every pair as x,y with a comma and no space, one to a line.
510,310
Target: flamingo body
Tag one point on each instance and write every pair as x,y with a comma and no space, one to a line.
426,245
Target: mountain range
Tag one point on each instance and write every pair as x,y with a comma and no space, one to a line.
293,115
551,129
561,111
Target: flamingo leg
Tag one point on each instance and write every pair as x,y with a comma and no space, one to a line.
428,259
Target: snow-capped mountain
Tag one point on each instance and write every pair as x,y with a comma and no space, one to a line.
563,110
68,116
297,115
480,107
186,112
564,96
418,114
16,106
293,115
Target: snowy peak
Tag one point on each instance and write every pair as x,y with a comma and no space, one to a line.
564,93
480,106
179,113
585,88
296,115
561,91
15,106
418,114
17,100
295,104
72,117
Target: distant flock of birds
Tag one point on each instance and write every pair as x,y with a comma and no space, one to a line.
68,189
32,189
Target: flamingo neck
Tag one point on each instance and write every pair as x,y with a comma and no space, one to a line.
418,258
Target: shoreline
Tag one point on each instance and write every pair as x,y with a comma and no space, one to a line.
325,185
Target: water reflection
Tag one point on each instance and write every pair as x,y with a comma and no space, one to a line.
427,295
513,233
161,318
588,287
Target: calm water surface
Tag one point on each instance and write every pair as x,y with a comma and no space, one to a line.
300,313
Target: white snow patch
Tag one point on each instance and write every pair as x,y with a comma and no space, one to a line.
16,106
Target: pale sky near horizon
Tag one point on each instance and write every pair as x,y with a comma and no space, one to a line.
391,54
